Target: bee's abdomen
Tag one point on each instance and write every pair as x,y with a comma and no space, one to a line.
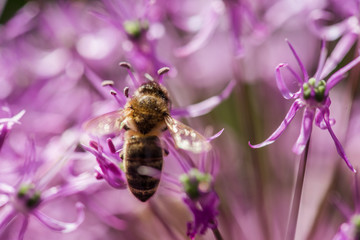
141,151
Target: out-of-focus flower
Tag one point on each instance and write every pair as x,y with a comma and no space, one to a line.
238,12
313,96
26,197
108,170
350,230
7,123
201,199
196,187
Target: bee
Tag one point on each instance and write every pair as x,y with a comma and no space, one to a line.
145,117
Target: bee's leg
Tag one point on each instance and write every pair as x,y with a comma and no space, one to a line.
165,148
121,154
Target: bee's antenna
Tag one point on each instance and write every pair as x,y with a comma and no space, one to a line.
132,76
161,73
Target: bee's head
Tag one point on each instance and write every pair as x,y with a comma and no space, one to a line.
154,89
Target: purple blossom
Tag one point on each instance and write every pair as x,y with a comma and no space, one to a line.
7,123
30,194
201,200
313,96
238,12
351,229
108,170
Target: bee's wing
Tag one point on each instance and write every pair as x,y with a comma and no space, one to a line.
185,137
106,124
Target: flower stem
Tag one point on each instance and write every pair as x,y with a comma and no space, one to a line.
295,204
217,234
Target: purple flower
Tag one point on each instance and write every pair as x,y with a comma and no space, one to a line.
313,96
107,169
201,200
350,230
26,197
7,123
238,13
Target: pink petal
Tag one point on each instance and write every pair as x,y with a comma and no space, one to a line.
303,70
8,213
288,118
62,226
305,131
339,148
280,81
338,75
323,55
24,226
341,49
205,106
211,20
330,33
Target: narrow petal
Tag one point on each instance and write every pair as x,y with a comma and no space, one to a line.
8,213
305,131
74,185
330,33
209,24
339,52
216,135
338,75
24,226
205,106
96,81
6,189
322,58
288,118
339,148
280,82
62,226
301,65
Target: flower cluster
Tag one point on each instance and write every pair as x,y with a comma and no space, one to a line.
110,114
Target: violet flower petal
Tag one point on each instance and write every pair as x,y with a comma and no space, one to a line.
339,148
23,228
209,24
288,118
303,70
305,130
74,185
338,75
205,106
6,189
322,58
280,82
339,52
62,226
216,135
330,33
8,213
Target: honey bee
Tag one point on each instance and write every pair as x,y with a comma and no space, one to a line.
144,118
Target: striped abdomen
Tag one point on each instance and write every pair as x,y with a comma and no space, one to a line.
142,151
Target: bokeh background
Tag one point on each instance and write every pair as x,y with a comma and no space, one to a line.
55,54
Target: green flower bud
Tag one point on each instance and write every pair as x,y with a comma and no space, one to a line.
195,182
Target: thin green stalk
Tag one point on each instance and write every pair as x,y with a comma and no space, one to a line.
295,205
